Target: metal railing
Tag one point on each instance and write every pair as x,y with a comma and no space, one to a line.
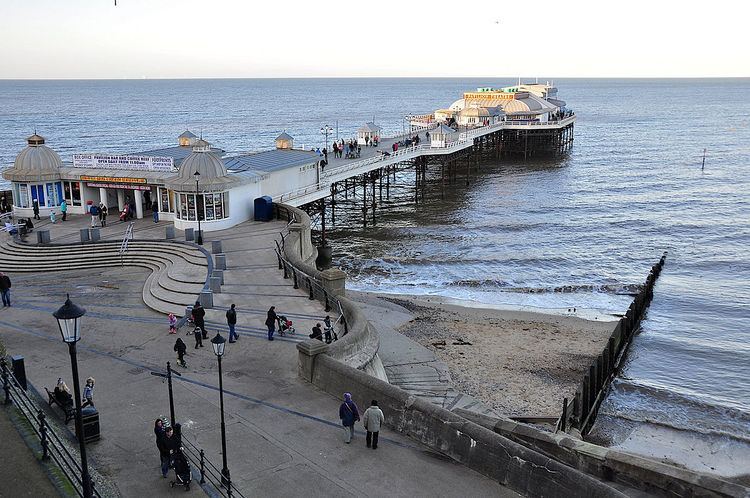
208,471
51,443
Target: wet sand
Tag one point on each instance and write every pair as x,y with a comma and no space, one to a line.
518,362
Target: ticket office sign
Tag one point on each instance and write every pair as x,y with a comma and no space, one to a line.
135,163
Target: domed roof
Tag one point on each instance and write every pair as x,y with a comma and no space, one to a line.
284,136
212,174
475,112
36,162
458,105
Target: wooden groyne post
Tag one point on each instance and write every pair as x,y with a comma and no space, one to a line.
581,411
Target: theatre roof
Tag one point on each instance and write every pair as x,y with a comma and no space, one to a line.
178,153
270,160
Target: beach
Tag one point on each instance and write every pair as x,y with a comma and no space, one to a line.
519,363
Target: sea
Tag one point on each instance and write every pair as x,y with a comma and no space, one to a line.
579,232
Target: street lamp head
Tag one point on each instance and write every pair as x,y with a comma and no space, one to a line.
196,175
218,343
69,320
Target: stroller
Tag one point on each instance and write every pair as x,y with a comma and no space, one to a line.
181,470
285,325
124,213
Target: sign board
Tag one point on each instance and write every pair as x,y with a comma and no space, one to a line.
118,185
136,163
112,179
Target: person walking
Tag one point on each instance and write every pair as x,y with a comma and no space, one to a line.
94,212
161,445
5,288
170,442
199,312
35,207
63,210
349,414
88,393
231,322
103,212
372,419
271,322
181,349
172,323
155,211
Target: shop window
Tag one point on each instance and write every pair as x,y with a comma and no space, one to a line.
23,196
75,188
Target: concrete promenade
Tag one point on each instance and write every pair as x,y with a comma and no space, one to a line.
283,435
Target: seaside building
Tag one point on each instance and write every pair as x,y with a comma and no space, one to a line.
189,181
368,132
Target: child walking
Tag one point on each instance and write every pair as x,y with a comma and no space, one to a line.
181,348
172,324
88,393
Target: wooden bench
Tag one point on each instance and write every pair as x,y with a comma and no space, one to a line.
69,410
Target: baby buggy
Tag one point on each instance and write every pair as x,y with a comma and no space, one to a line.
285,325
124,213
181,470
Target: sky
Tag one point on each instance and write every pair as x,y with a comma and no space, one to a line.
58,39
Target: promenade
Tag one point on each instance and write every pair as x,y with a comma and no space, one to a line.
283,435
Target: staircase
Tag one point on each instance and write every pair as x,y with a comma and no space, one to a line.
178,271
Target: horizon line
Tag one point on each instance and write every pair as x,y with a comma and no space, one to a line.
172,78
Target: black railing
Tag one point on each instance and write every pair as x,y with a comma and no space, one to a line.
581,411
53,447
209,472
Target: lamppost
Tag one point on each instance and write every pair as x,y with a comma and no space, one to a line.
326,130
218,343
168,376
68,319
199,235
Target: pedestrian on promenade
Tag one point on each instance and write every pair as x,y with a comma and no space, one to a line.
88,393
5,288
198,338
317,333
155,211
198,313
180,348
330,334
325,154
94,212
161,445
271,322
168,443
102,214
349,414
63,210
372,420
172,323
231,322
35,207
52,218
4,207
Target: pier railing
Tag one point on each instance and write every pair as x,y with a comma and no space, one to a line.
53,448
581,411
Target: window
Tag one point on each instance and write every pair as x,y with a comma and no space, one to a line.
167,203
210,206
23,195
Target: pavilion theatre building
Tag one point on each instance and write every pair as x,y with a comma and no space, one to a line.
189,181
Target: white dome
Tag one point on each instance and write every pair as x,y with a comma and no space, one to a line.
458,105
36,162
212,174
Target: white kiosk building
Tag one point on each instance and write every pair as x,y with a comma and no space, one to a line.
368,132
442,136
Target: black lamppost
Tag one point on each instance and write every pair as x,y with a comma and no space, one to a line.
199,235
68,319
326,130
218,343
168,376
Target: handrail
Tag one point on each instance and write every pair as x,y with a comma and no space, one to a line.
208,470
51,443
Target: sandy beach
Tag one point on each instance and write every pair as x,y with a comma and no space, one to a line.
520,363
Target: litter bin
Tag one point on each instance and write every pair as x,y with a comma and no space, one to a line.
90,418
263,208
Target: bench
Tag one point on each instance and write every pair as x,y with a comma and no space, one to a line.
69,409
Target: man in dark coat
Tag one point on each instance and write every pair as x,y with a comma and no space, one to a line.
35,206
198,313
231,322
317,332
271,322
5,288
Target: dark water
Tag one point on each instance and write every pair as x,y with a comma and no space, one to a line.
592,223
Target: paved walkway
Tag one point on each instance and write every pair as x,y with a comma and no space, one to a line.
283,435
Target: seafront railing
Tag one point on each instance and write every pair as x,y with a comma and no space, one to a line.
52,446
580,412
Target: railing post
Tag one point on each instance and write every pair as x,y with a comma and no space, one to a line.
203,468
43,433
328,305
6,383
278,255
229,487
294,274
286,275
564,417
309,286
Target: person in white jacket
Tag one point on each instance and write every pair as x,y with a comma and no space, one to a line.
372,420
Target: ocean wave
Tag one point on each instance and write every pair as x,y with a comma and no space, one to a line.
635,402
626,289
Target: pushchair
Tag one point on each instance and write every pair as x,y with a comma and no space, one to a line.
124,213
182,476
285,325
